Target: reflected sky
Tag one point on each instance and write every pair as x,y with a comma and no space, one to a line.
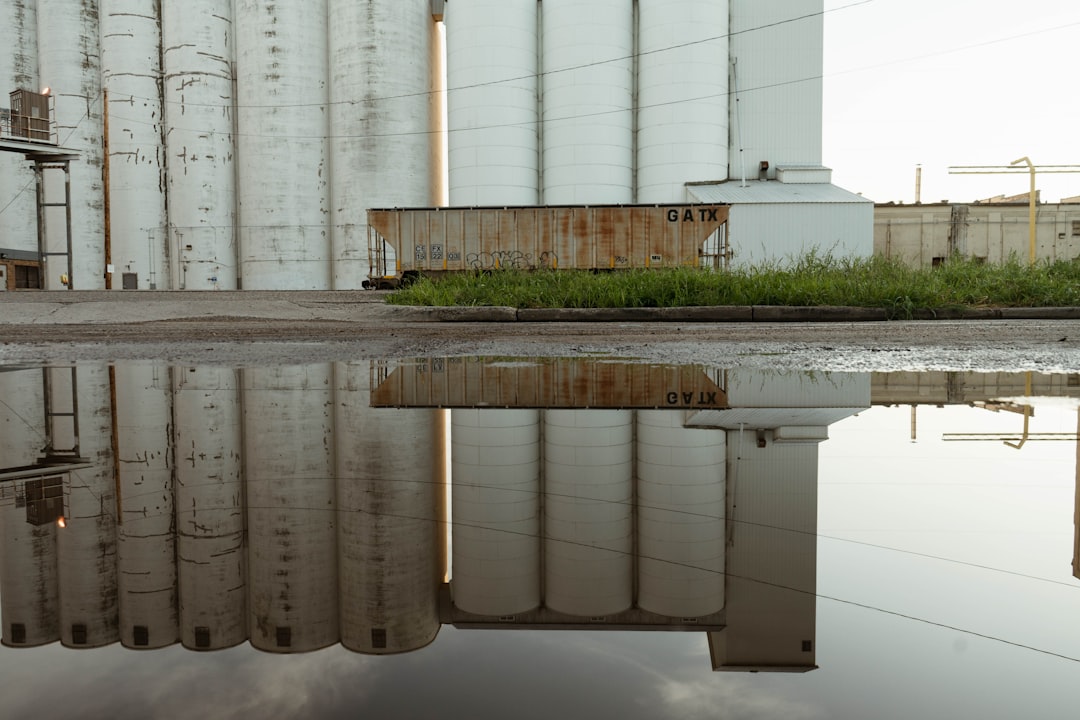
942,568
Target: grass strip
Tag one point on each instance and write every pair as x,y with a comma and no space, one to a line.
811,280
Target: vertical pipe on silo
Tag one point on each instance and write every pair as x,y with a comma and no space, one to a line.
390,493
69,64
682,114
380,121
284,175
292,523
210,551
197,66
28,590
492,104
131,73
86,547
18,70
146,532
681,484
588,513
588,68
495,490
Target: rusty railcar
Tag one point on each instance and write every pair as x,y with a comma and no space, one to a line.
405,242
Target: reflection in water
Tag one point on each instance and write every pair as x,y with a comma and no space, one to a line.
298,507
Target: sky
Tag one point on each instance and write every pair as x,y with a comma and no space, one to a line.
943,83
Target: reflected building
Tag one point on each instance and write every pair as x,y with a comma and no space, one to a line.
299,507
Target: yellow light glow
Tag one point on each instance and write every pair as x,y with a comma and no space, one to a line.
61,522
45,91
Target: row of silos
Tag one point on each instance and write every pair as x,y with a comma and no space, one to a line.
552,523
608,101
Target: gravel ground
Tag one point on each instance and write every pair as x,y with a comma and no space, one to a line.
261,328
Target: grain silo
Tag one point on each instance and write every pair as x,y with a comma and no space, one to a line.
197,63
495,493
383,118
145,528
291,499
69,56
131,77
210,547
390,505
18,70
284,172
681,486
588,511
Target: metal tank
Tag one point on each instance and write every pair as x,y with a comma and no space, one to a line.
146,528
86,547
682,99
210,547
18,70
495,498
69,65
292,522
197,65
588,511
28,585
382,117
391,489
131,75
492,102
588,101
777,116
284,170
681,485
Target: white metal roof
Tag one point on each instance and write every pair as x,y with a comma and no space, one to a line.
770,191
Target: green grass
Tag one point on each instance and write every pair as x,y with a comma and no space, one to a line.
810,280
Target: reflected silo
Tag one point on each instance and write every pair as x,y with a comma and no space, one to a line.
284,173
145,531
18,70
292,525
131,74
681,489
391,507
383,110
495,495
69,65
588,511
29,607
682,121
197,62
210,548
588,101
86,547
492,103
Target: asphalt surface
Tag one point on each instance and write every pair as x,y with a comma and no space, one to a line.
287,327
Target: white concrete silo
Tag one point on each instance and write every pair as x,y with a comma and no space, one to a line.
69,64
682,116
18,69
681,485
210,551
292,523
131,75
146,530
197,66
588,101
382,116
86,547
284,172
588,511
492,103
28,585
391,530
495,496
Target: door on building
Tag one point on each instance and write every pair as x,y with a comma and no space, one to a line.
3,278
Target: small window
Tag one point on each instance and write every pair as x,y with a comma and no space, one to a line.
284,637
27,277
1076,228
937,262
141,635
807,645
378,637
202,636
78,634
18,633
